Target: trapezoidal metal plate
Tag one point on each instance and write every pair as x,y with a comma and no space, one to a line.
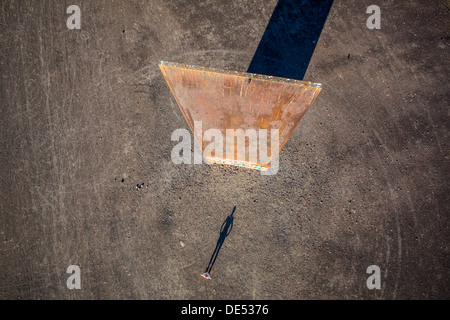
223,99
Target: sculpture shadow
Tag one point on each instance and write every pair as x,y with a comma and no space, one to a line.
225,231
290,38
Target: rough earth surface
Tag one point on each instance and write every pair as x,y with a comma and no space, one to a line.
86,176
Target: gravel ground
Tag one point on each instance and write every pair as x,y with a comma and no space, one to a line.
87,179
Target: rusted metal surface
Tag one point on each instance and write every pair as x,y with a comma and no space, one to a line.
223,99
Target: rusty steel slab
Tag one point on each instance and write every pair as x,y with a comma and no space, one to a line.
223,99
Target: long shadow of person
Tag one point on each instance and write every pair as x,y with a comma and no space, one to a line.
225,230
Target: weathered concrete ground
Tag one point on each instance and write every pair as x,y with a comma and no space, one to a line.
364,179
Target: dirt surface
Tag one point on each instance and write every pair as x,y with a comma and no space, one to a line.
87,179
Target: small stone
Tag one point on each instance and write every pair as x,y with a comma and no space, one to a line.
182,244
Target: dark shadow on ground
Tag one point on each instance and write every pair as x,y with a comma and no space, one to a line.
290,38
225,231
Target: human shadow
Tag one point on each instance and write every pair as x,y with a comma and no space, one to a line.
225,231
